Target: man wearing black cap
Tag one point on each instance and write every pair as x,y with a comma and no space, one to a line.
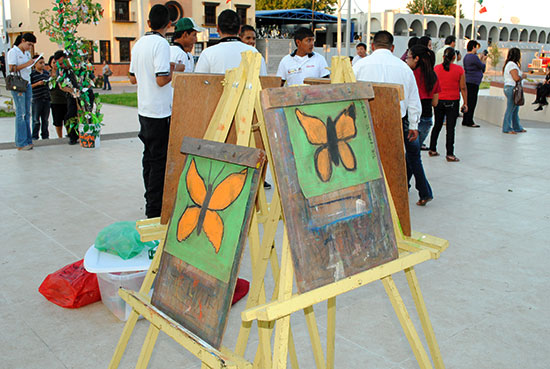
185,37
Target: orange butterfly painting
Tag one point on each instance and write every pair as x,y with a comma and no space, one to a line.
332,139
208,200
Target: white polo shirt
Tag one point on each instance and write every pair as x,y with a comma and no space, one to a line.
384,67
356,58
225,55
294,69
180,56
151,58
17,57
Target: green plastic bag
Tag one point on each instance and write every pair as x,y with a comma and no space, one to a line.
122,239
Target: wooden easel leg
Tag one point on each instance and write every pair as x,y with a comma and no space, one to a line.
264,332
331,331
282,329
424,318
406,323
123,340
314,337
147,348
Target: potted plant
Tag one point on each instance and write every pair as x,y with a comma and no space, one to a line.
61,23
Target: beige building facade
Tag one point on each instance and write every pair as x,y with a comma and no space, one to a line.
122,24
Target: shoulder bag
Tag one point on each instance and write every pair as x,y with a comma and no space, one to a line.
14,82
518,94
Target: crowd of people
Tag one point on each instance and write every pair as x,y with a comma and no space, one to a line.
433,84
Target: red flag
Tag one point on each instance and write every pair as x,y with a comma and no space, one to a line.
227,1
483,10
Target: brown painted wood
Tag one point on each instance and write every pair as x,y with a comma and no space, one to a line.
195,99
386,114
194,298
336,234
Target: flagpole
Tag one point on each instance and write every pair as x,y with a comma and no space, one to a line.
368,28
474,22
339,29
457,25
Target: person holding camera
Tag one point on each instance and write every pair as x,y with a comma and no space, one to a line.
474,67
107,72
452,82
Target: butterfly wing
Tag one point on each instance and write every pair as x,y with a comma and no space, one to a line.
323,165
345,124
213,228
315,129
195,184
227,191
347,156
187,223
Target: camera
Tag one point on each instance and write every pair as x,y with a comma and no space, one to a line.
485,52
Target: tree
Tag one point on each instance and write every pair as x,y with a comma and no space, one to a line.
61,24
494,55
443,7
326,6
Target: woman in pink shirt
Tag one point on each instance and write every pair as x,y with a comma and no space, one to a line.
453,83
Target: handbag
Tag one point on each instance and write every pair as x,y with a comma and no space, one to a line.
14,82
519,99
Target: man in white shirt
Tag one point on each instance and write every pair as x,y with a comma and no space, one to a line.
302,63
450,41
361,49
382,66
185,38
248,35
151,69
19,60
227,54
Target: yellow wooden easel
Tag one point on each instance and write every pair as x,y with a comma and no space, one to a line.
412,251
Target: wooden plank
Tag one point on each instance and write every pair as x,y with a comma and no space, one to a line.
277,309
301,95
240,155
196,97
340,225
212,357
198,271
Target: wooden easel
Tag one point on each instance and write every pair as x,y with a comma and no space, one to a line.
412,251
238,103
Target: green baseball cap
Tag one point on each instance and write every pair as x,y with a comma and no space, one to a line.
186,24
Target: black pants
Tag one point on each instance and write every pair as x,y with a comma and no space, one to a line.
40,117
445,109
543,91
473,90
59,112
72,111
154,135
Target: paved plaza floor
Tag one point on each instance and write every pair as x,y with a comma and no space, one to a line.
488,295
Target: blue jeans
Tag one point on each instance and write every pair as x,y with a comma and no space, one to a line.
40,117
511,117
22,101
424,128
106,83
414,165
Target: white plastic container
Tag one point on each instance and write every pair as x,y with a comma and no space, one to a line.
109,283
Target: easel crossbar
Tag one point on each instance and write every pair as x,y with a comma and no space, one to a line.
207,354
278,309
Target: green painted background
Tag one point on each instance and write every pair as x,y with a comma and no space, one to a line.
362,145
197,250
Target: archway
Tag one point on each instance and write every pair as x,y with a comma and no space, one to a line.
175,10
444,30
468,34
524,35
416,28
400,28
514,35
548,40
533,36
431,30
375,25
493,34
482,33
504,35
542,37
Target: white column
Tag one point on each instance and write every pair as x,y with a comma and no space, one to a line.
339,29
369,15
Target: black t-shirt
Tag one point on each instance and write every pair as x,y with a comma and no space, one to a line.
426,108
40,92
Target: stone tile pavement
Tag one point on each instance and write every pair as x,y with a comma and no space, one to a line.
487,296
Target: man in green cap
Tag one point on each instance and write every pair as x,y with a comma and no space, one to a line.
185,37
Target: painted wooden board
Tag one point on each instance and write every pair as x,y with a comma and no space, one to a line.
330,180
386,116
206,235
195,99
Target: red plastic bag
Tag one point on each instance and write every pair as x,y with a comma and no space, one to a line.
241,289
71,286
